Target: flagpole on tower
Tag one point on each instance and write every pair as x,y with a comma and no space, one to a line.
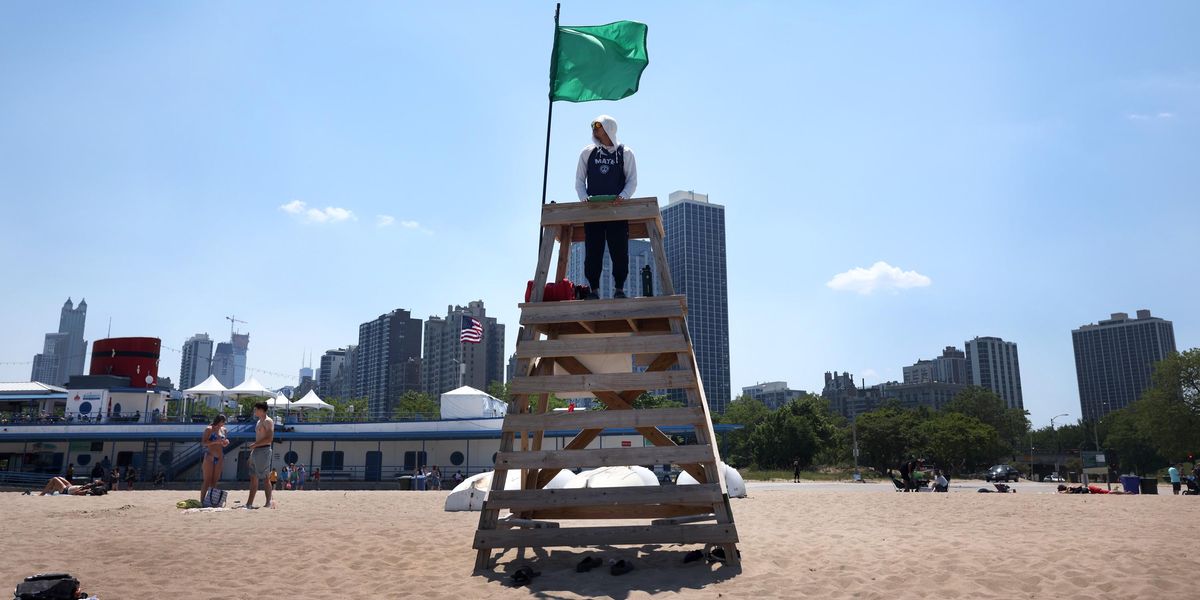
550,110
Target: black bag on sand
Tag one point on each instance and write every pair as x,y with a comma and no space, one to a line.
48,586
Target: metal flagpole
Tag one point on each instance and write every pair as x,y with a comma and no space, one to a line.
549,114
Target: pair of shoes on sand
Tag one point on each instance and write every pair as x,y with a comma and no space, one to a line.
619,567
716,555
617,295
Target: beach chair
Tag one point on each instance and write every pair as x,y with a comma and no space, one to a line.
561,348
899,484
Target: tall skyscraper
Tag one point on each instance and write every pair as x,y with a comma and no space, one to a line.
950,367
223,365
330,373
695,245
388,361
640,255
196,364
63,353
445,354
240,342
1114,360
992,363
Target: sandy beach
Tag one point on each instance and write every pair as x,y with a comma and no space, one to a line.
826,541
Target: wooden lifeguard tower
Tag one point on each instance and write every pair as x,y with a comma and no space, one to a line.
556,341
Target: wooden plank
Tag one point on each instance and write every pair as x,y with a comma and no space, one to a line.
577,213
604,419
573,311
530,523
606,536
564,252
543,266
603,457
690,519
705,494
666,286
645,326
603,382
637,230
631,344
632,511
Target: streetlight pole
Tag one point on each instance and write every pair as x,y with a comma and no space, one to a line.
1054,432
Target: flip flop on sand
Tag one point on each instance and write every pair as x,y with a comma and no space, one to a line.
621,567
523,576
587,564
693,556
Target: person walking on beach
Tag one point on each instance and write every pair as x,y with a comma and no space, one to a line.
301,475
606,168
214,439
435,478
114,479
260,453
795,471
273,480
1173,473
316,478
130,477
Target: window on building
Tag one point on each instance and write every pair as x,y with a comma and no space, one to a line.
331,460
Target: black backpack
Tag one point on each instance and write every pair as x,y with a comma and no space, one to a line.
48,586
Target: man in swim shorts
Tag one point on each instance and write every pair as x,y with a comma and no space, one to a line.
260,454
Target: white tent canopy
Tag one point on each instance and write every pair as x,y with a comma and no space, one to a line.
279,402
209,386
250,387
311,401
469,403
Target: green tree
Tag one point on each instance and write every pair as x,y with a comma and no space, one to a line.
1124,435
498,390
1011,424
796,432
959,443
648,400
348,409
749,413
416,404
1168,414
887,436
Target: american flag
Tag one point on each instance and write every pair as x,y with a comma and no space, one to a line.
472,331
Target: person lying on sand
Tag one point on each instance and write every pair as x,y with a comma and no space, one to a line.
60,485
1080,489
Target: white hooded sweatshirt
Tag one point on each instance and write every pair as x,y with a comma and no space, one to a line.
630,165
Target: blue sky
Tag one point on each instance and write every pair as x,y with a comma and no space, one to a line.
1025,167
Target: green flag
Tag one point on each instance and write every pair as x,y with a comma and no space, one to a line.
602,62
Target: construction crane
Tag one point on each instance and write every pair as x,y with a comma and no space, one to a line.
233,321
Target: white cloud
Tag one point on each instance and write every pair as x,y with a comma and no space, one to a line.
880,277
329,214
384,220
1150,117
410,224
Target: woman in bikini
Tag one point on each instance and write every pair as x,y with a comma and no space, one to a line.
214,441
60,485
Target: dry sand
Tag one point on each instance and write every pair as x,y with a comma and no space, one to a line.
815,544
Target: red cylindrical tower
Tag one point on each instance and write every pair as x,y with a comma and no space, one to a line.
132,357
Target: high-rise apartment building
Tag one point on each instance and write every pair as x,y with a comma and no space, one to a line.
773,393
1115,358
240,342
950,367
65,352
640,257
224,364
334,377
695,245
992,363
449,363
388,361
196,363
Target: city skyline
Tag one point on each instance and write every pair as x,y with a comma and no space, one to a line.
886,198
